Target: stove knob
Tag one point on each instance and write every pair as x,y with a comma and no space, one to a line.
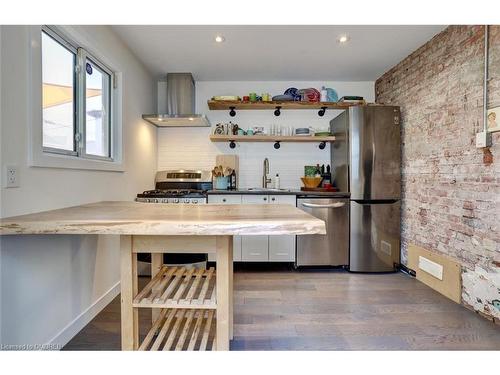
148,200
155,200
186,200
194,201
165,200
176,200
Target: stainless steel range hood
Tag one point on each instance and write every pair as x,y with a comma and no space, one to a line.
180,104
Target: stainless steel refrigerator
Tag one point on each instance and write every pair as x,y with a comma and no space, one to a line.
366,162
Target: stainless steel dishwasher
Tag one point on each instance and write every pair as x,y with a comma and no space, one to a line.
331,249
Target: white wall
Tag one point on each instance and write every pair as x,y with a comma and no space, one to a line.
52,285
191,147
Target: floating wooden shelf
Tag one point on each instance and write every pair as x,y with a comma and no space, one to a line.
229,104
182,329
269,138
178,287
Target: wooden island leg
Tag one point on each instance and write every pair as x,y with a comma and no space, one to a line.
156,264
224,259
129,316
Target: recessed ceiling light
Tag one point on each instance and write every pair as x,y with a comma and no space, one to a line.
343,38
219,39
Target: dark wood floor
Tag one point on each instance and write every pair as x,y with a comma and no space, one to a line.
321,310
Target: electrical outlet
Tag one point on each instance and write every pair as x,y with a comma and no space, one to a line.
11,177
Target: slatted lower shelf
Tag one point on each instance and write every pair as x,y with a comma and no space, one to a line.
182,329
178,287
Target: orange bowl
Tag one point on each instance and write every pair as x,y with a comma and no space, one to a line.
311,182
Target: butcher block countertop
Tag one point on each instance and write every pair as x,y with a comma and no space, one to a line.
133,218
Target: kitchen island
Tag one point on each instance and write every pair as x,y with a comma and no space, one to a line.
162,228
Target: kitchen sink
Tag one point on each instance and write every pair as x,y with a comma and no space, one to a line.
266,189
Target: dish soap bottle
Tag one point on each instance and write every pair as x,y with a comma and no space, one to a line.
277,181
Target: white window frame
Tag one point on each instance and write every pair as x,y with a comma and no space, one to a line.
38,156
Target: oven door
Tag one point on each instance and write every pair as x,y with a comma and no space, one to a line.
331,249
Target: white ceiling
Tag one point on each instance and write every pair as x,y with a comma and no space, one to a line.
274,53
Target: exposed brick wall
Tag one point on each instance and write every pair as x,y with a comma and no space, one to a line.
451,189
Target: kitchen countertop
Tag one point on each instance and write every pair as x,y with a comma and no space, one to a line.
280,192
134,218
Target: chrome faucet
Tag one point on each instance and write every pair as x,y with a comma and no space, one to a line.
265,174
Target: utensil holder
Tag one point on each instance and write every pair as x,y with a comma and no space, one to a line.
221,183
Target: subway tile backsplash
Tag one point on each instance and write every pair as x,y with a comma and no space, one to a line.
190,148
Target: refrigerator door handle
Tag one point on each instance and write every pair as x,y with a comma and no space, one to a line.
369,202
333,205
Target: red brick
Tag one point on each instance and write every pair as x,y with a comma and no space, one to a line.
450,188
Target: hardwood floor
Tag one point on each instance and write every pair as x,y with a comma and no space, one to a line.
327,310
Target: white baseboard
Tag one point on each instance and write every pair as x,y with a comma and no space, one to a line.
68,332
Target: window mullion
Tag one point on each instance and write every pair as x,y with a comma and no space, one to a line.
81,110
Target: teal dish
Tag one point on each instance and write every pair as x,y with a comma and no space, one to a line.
331,95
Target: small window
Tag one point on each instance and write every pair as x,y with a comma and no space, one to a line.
77,100
97,110
58,95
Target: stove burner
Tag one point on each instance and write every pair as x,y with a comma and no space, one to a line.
171,192
153,192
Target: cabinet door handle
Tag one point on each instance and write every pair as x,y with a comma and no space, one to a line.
273,199
265,199
224,199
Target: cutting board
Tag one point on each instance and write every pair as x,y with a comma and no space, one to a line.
231,161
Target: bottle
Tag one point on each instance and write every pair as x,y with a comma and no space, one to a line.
232,180
317,173
277,181
323,95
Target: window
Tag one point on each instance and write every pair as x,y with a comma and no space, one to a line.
77,92
58,94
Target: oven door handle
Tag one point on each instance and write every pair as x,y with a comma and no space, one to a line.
332,205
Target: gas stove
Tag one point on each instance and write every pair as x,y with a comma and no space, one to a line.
179,186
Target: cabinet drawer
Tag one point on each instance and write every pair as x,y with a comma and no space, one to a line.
254,248
248,255
282,248
224,199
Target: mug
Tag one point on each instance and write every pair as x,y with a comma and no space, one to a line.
250,132
241,132
246,98
253,97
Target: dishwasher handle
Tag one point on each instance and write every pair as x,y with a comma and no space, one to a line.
331,205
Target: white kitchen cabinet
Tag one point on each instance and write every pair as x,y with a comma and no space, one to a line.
228,199
254,248
259,248
282,247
